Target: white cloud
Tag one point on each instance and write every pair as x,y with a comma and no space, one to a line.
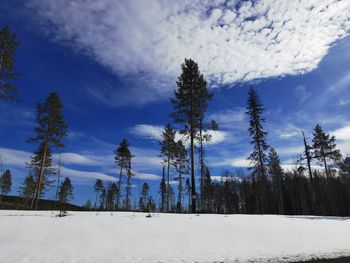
146,176
13,157
231,42
145,159
342,133
154,132
289,131
230,119
147,131
342,136
290,150
76,158
240,162
67,172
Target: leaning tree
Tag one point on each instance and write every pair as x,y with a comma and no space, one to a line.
50,129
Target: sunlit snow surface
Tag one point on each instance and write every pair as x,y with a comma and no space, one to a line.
84,237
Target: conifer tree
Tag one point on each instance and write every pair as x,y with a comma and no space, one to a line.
162,191
8,46
144,197
190,104
258,156
49,131
98,187
168,152
325,148
65,194
88,205
275,171
5,183
103,198
207,191
112,191
122,158
202,137
181,166
27,189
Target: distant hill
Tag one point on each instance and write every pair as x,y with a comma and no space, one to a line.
17,202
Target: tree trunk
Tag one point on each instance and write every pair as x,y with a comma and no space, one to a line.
193,181
168,187
201,157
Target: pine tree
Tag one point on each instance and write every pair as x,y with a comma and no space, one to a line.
190,104
50,130
181,166
88,205
65,194
202,137
8,46
258,156
102,198
5,183
97,189
275,171
207,192
167,151
122,158
112,191
325,148
144,197
162,191
27,189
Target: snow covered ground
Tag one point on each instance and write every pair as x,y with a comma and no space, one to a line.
28,236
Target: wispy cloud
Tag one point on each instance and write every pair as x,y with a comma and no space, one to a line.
154,132
87,175
150,38
301,93
230,118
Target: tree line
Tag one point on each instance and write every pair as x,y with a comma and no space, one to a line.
264,188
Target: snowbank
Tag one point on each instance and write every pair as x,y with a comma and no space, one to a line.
105,237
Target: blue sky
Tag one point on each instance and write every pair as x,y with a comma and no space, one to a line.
115,65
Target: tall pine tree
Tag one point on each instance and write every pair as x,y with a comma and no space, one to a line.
258,156
168,153
98,187
122,158
190,104
49,131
